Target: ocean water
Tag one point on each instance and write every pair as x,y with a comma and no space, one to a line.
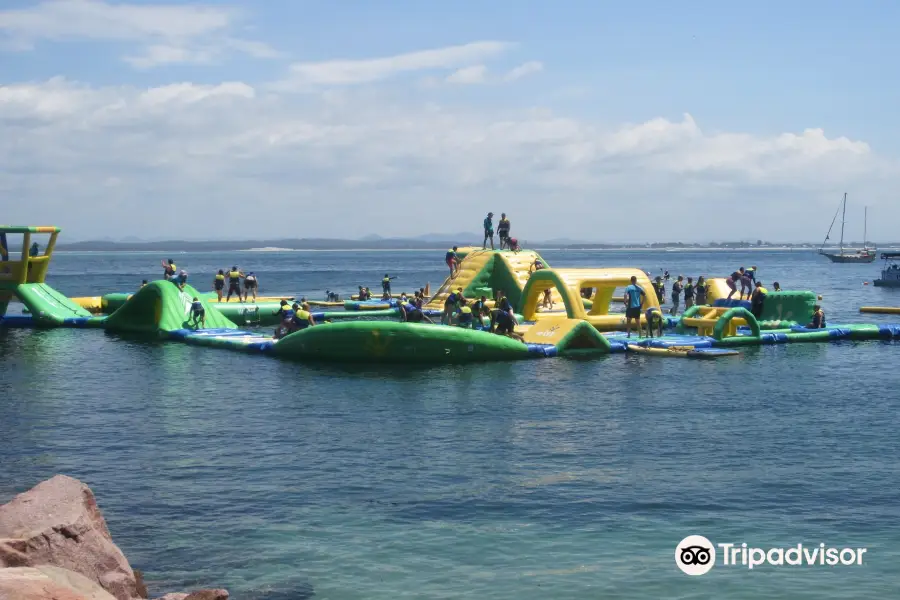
531,480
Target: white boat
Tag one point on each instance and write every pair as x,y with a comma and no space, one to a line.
849,255
890,274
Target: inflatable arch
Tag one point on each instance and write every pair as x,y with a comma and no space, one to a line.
569,282
726,326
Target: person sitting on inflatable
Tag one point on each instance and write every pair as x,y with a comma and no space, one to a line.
505,324
513,244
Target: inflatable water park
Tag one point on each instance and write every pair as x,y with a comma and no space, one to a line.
553,312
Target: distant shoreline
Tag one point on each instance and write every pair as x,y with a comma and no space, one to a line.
275,250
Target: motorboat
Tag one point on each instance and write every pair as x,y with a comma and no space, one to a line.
890,274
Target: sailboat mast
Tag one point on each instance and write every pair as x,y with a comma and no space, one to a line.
843,220
866,227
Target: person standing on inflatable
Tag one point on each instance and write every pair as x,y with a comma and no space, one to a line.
452,261
488,231
234,283
503,231
634,298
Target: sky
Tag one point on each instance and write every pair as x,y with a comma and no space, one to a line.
594,120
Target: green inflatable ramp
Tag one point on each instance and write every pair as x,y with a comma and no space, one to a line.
160,307
48,306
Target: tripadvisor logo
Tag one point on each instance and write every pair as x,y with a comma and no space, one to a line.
696,555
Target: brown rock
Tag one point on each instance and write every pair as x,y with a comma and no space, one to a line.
58,523
48,583
208,595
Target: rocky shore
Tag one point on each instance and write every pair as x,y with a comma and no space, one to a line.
54,545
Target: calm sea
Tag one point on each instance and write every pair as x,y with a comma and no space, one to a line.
533,480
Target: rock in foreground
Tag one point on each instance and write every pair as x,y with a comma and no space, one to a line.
47,582
54,545
58,523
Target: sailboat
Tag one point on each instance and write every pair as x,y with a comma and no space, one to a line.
848,255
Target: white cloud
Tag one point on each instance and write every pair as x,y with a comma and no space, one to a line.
348,72
167,33
524,70
473,74
96,159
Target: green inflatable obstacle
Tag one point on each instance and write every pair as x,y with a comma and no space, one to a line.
160,307
786,309
48,306
388,341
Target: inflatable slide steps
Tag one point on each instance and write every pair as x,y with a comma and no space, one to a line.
473,266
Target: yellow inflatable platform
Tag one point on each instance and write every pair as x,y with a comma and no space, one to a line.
880,310
569,282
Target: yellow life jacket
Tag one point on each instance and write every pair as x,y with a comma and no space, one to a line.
220,277
303,315
234,275
763,290
466,310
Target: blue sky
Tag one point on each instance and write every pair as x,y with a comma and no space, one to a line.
577,117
